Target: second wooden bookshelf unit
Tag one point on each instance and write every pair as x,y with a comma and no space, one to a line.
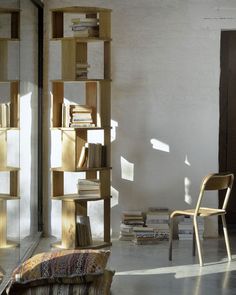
75,121
9,118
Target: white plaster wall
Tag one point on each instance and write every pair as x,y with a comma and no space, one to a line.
165,89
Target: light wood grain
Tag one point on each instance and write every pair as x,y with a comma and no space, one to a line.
68,59
68,225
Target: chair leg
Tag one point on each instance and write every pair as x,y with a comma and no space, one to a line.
170,238
198,241
194,242
226,237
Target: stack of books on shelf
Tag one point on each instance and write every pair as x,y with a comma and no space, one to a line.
89,188
92,155
85,27
81,116
83,231
158,219
186,228
145,236
77,116
5,114
130,219
82,70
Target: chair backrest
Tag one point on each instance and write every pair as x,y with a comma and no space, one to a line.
217,181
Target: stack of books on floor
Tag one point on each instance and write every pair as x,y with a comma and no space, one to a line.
85,27
145,236
158,219
186,228
130,219
89,188
83,231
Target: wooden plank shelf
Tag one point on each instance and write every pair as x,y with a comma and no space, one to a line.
81,9
83,39
76,197
60,169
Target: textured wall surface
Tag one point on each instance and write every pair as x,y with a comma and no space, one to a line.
165,101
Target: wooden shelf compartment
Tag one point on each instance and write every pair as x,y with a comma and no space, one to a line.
14,183
94,91
15,21
14,102
73,142
104,16
69,212
58,184
74,52
58,100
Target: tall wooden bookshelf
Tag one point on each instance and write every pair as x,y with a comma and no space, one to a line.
10,122
74,49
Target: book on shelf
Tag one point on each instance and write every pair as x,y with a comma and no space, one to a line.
5,109
77,116
96,157
85,27
83,230
90,188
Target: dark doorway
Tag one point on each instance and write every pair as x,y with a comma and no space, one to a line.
227,124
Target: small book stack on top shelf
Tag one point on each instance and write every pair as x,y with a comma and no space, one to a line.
92,155
89,188
158,219
77,116
85,27
5,109
185,227
130,219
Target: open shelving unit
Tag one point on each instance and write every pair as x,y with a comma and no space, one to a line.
97,96
12,123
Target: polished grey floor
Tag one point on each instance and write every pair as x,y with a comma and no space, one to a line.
146,270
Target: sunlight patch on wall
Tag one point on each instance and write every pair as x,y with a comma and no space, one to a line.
115,197
159,145
187,196
186,161
114,125
127,169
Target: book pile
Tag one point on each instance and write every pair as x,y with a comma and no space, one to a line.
89,188
145,236
126,232
85,27
81,116
92,155
130,219
82,70
186,228
158,219
83,231
77,116
5,114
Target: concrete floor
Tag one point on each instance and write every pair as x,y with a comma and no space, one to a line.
145,270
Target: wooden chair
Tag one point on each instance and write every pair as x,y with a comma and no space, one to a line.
211,182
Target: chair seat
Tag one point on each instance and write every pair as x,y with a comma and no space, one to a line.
204,212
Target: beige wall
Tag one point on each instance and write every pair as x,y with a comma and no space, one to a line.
165,94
